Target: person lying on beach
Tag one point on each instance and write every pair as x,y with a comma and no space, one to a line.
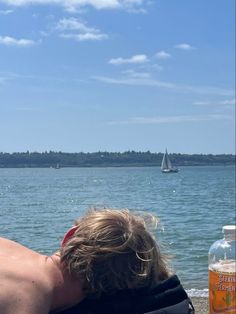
108,255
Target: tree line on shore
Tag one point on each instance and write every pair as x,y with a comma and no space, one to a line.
108,159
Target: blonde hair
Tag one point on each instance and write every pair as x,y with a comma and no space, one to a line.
112,250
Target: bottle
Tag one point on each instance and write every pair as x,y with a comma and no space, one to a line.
222,273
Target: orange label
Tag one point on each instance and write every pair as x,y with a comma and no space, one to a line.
222,292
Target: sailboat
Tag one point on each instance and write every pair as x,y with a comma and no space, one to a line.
166,165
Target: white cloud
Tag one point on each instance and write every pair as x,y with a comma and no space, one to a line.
136,74
202,103
172,119
74,24
132,2
162,55
72,28
184,46
157,67
98,4
2,79
134,59
135,82
13,76
10,41
29,109
228,102
137,11
160,84
6,12
211,103
73,5
44,34
85,36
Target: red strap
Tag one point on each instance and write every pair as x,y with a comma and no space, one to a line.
69,234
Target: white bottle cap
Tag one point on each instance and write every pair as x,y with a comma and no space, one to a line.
229,230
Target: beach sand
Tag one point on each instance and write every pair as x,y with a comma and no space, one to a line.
200,305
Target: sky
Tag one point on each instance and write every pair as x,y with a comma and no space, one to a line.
117,75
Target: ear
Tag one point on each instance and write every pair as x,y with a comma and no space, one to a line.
68,235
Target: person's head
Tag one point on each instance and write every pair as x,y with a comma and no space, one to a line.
112,250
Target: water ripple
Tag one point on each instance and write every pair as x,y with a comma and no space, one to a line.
37,206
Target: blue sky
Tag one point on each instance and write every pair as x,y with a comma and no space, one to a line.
117,75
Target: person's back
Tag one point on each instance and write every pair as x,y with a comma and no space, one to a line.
22,279
28,281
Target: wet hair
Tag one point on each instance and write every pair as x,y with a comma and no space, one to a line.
112,250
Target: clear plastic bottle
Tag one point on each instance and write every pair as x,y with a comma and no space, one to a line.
222,273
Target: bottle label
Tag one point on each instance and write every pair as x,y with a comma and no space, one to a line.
222,289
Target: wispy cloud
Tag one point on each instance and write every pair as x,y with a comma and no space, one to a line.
29,109
184,46
156,67
228,102
137,11
10,76
72,28
137,74
11,41
142,58
98,4
211,90
2,79
44,34
73,5
6,12
225,102
135,82
85,36
74,24
162,55
202,103
172,119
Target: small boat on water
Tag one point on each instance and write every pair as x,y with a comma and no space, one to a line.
166,165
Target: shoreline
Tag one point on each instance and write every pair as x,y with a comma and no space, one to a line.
200,304
112,166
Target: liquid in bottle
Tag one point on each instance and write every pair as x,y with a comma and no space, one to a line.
222,273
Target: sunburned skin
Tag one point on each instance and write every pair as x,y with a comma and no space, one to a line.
31,283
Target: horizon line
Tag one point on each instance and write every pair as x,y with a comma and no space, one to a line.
111,152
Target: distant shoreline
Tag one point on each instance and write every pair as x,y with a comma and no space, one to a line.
108,159
112,166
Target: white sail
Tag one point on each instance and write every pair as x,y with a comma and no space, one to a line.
166,165
169,165
164,162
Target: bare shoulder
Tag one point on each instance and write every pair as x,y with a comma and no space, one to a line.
9,247
23,285
27,297
21,304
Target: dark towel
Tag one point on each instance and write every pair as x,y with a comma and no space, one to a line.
164,298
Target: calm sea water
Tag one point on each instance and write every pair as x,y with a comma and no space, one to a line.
37,206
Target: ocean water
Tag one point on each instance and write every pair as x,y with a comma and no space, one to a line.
37,206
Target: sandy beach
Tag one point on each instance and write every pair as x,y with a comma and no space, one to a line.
200,305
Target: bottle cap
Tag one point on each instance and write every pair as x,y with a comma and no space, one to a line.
229,230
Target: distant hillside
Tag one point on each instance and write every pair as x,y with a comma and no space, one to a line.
106,159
